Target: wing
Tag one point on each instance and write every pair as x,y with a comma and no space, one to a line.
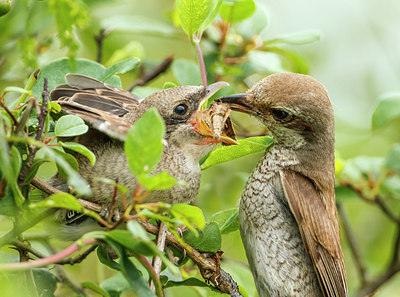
104,107
318,230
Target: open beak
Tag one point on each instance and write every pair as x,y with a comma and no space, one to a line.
203,128
240,102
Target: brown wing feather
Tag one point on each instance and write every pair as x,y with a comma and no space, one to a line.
318,230
104,107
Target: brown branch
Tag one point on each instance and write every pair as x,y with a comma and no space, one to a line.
208,267
376,200
8,111
355,250
153,73
41,121
157,263
99,38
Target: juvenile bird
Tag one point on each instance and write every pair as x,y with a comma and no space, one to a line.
111,112
288,218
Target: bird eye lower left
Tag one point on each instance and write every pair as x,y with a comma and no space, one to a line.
181,109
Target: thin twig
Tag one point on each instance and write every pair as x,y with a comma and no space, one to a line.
8,111
21,245
153,73
99,43
352,244
152,273
157,263
376,200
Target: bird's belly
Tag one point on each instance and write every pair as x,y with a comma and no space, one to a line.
273,244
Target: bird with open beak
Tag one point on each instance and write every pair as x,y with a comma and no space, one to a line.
110,112
288,219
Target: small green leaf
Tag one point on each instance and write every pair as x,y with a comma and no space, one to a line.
121,67
169,84
105,258
193,14
83,150
227,220
17,90
188,215
246,147
33,170
387,110
212,15
297,38
393,158
70,125
55,107
116,285
187,72
5,7
55,73
160,181
237,10
208,241
96,288
143,145
64,200
73,178
189,282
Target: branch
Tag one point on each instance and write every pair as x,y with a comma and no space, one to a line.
153,73
157,263
203,70
376,200
352,244
99,43
58,257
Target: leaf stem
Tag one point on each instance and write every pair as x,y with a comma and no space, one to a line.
203,71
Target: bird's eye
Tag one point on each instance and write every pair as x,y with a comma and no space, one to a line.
280,115
181,109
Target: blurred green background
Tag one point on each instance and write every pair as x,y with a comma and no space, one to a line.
356,59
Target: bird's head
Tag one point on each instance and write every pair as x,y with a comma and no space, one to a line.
294,107
180,108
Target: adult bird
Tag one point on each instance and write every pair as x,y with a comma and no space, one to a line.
288,219
110,112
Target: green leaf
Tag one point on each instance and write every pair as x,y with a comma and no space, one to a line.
64,200
188,215
160,181
169,84
296,38
393,158
17,90
55,73
73,178
143,145
96,288
105,258
237,10
45,282
387,110
70,125
55,107
193,14
189,282
69,159
121,67
212,15
5,7
344,193
187,72
246,147
83,150
227,220
33,170
208,241
117,284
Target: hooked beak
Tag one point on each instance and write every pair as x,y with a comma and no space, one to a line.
203,128
240,102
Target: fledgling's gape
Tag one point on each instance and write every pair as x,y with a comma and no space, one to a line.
191,133
287,215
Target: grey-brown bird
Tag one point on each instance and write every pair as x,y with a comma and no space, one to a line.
111,112
288,218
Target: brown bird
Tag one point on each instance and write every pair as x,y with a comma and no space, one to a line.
288,218
111,112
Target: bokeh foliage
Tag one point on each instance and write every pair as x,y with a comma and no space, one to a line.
237,48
